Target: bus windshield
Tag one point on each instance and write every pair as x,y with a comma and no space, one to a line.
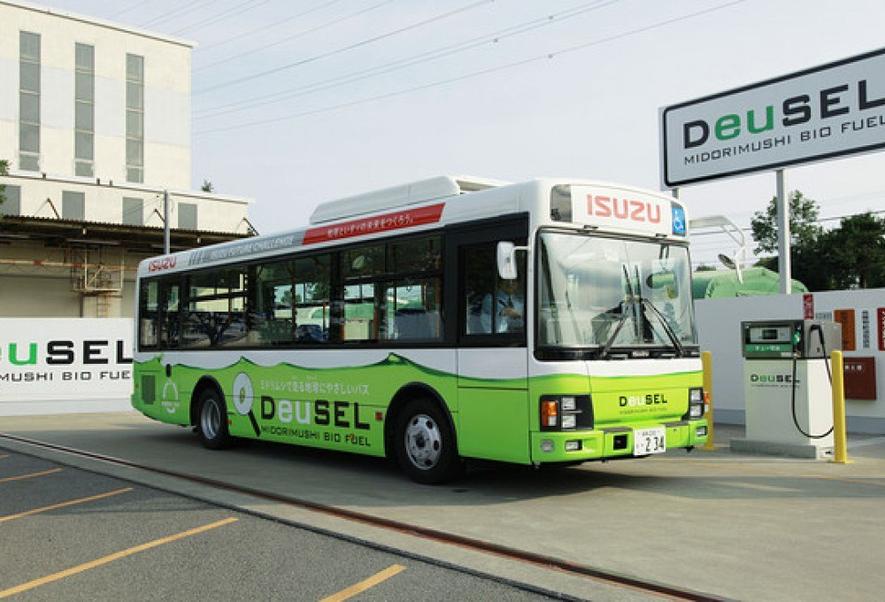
613,294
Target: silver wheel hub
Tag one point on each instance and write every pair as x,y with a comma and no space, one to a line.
210,419
423,441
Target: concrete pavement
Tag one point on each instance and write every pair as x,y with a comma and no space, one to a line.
736,526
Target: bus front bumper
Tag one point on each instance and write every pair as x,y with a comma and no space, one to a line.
615,442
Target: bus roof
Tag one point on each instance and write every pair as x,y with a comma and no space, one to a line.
439,201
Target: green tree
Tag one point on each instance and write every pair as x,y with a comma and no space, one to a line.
207,186
804,229
853,255
804,240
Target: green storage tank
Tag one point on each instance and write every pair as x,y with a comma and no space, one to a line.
724,283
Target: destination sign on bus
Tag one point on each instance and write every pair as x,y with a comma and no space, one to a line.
621,209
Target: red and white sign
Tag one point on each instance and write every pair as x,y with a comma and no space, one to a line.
880,327
621,209
162,263
808,306
373,225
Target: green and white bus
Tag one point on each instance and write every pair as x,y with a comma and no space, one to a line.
546,322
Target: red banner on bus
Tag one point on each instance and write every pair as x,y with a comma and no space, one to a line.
373,225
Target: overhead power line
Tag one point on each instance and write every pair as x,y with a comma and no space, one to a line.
129,8
347,48
445,51
252,32
479,73
296,35
231,12
821,220
186,8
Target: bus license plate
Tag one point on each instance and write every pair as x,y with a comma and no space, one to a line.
649,441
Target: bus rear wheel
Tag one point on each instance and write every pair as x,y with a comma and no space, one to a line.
425,443
212,422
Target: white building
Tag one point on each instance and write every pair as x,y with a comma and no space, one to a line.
95,122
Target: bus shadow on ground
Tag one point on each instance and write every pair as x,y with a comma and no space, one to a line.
493,482
339,478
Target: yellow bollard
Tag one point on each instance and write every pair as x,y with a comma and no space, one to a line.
707,363
840,440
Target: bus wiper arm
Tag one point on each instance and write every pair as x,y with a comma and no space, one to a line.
611,340
671,334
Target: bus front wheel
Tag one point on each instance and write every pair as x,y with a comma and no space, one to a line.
213,420
425,443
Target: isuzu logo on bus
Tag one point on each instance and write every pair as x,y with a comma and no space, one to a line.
625,209
166,263
621,209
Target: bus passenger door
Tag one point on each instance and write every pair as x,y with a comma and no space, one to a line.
492,355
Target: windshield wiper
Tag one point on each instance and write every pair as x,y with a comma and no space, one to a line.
611,340
645,303
671,334
624,315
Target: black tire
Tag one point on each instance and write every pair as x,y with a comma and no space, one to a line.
212,420
425,443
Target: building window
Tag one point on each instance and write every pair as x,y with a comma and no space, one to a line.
84,110
187,216
133,211
134,118
73,206
13,203
29,101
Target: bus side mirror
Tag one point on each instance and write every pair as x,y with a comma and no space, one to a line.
507,260
506,256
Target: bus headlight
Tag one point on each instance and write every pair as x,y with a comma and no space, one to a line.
566,412
695,402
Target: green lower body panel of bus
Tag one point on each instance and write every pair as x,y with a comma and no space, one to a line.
349,407
616,442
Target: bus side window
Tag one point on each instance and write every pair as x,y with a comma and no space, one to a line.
478,263
214,313
361,269
150,309
270,319
492,306
311,296
412,310
170,307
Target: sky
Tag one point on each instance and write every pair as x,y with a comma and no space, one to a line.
299,102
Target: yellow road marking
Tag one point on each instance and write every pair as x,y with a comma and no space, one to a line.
33,475
365,584
81,500
111,557
3,456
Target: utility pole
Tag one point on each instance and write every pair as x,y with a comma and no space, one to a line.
783,235
165,222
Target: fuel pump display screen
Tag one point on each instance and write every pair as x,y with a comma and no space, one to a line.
771,340
781,339
768,335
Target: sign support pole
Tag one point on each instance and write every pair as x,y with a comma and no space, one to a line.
783,235
166,222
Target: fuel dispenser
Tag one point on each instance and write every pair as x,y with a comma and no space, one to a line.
787,387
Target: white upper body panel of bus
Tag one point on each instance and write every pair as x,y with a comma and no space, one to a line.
445,200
